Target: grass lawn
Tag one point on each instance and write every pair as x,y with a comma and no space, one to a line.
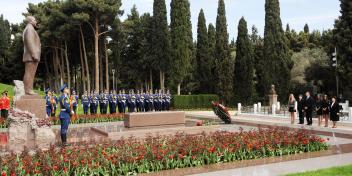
334,171
9,88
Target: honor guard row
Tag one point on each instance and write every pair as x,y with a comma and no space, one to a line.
123,102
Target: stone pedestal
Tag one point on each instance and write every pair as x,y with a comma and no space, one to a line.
132,120
32,103
272,100
27,131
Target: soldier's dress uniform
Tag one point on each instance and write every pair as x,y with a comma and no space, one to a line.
122,102
65,113
167,100
48,105
53,114
113,100
104,100
85,103
140,99
92,104
132,102
156,101
75,99
96,101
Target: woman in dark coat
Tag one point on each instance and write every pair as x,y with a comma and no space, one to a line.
325,107
319,110
334,111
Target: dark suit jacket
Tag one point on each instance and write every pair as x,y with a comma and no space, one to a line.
300,105
32,45
309,104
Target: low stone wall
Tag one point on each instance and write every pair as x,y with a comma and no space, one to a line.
132,120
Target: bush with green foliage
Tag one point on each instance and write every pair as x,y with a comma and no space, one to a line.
193,101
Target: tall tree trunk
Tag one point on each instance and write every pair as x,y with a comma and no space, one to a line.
179,89
56,69
151,79
67,67
48,75
96,48
83,74
161,80
61,63
106,67
85,59
101,80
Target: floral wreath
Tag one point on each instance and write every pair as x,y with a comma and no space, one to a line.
222,112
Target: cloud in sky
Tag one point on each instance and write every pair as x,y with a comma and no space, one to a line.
319,14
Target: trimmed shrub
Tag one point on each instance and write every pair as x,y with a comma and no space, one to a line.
193,101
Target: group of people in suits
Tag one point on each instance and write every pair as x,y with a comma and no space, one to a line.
323,107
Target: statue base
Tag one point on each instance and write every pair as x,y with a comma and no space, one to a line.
32,103
27,131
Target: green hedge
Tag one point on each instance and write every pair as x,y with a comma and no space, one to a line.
193,101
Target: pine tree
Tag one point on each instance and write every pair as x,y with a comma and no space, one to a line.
203,58
243,76
211,48
343,39
224,63
276,62
5,39
257,44
181,41
161,40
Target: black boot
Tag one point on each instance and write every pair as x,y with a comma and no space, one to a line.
64,140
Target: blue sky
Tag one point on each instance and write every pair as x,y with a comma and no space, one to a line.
319,14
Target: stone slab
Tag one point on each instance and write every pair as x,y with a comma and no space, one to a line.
32,103
132,120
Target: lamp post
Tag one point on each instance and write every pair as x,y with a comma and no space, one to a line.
113,78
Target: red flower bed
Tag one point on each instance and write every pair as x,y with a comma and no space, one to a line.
131,156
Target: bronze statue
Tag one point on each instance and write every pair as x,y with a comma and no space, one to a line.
31,55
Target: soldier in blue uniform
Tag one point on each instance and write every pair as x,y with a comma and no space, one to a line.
48,102
113,100
96,100
56,102
92,103
65,113
167,100
74,98
104,100
122,98
140,101
156,100
132,102
85,102
151,100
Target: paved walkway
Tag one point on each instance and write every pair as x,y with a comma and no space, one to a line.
287,167
343,127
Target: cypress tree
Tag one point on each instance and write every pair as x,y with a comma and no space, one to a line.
211,48
243,77
203,57
224,63
306,28
343,38
276,62
181,40
160,40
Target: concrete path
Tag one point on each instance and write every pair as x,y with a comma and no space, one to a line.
287,167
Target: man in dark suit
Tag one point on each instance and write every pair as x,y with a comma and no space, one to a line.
308,108
300,106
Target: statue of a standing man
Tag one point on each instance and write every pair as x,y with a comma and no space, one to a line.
31,55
